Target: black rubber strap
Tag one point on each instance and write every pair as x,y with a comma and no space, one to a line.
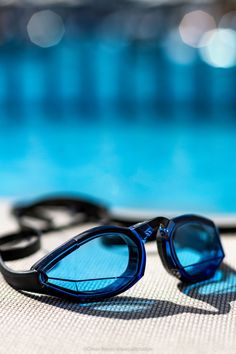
81,210
27,241
20,244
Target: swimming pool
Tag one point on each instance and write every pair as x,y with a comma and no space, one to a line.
179,163
137,122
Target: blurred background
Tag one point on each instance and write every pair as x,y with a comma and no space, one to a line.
132,102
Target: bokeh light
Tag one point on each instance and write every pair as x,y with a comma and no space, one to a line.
177,51
45,28
228,20
193,26
220,50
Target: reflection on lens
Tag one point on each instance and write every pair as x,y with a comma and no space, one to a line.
96,266
197,247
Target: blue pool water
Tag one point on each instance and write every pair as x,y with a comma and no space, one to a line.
179,162
122,122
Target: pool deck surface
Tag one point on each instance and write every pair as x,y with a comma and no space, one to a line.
158,315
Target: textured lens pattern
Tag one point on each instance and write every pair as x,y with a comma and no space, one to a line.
197,247
102,264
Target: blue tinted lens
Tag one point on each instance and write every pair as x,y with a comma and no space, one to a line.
197,247
103,264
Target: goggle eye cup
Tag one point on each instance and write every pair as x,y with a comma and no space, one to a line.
198,249
101,265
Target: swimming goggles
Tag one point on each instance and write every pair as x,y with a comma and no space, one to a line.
107,260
